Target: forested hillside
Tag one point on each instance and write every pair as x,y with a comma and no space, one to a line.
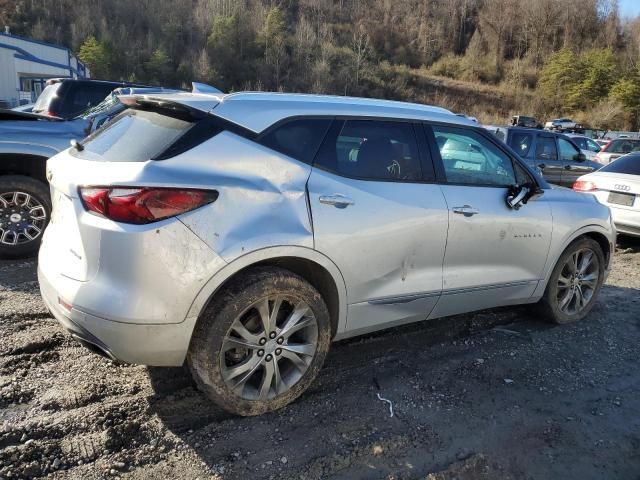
542,57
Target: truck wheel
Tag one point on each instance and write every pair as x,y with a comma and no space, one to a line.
260,342
575,282
25,210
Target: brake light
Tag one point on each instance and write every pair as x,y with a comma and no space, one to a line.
605,146
584,186
141,205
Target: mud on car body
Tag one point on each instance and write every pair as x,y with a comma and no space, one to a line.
245,232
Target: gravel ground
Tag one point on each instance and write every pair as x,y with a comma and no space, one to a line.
497,394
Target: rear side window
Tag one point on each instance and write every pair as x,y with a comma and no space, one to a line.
629,164
299,139
521,143
546,149
83,96
373,150
44,99
134,136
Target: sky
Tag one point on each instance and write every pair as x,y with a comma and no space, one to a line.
629,8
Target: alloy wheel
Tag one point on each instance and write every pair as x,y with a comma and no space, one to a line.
578,281
22,218
269,347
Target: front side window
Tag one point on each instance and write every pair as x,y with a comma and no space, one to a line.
470,158
593,146
521,143
580,142
298,138
546,149
373,150
568,151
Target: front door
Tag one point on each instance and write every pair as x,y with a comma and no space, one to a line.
572,168
546,158
495,255
379,220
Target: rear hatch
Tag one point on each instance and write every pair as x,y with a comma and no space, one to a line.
121,154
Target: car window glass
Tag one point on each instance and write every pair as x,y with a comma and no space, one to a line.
628,164
579,141
593,146
521,143
298,139
82,97
470,158
546,149
568,151
623,146
373,150
42,103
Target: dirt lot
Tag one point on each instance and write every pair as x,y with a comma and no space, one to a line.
492,395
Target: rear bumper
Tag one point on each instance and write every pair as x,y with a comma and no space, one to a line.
148,344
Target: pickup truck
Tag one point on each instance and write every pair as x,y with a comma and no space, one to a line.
554,154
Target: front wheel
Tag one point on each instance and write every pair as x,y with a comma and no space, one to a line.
25,209
575,282
260,342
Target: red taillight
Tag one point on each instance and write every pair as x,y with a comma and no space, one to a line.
605,146
142,205
584,186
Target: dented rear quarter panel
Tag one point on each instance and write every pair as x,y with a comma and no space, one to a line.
262,198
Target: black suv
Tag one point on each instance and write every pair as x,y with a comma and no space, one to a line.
67,98
556,155
522,121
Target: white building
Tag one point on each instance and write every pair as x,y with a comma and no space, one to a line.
25,66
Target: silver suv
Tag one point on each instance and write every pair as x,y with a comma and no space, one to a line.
244,233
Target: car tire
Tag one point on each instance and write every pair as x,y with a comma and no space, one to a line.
22,199
575,282
248,367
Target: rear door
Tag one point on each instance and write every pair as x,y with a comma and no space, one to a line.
495,255
380,218
572,168
546,158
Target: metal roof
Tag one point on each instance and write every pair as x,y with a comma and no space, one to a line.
257,111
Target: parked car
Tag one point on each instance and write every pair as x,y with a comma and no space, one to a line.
562,124
617,185
245,232
617,148
558,158
602,142
67,98
587,145
527,122
27,140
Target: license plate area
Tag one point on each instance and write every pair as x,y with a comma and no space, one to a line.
625,199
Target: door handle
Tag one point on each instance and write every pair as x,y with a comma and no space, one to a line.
337,200
467,210
568,167
542,166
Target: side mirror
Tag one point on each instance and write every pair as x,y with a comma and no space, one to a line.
517,196
580,157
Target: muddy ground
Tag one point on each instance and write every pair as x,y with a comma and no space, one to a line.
497,394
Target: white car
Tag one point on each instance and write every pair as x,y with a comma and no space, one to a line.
616,149
587,145
617,185
561,124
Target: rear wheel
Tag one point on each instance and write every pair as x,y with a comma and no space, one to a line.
25,209
575,282
260,342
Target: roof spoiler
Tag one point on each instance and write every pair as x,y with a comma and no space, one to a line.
203,88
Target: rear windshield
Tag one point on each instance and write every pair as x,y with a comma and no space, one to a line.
134,136
629,164
43,101
623,146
